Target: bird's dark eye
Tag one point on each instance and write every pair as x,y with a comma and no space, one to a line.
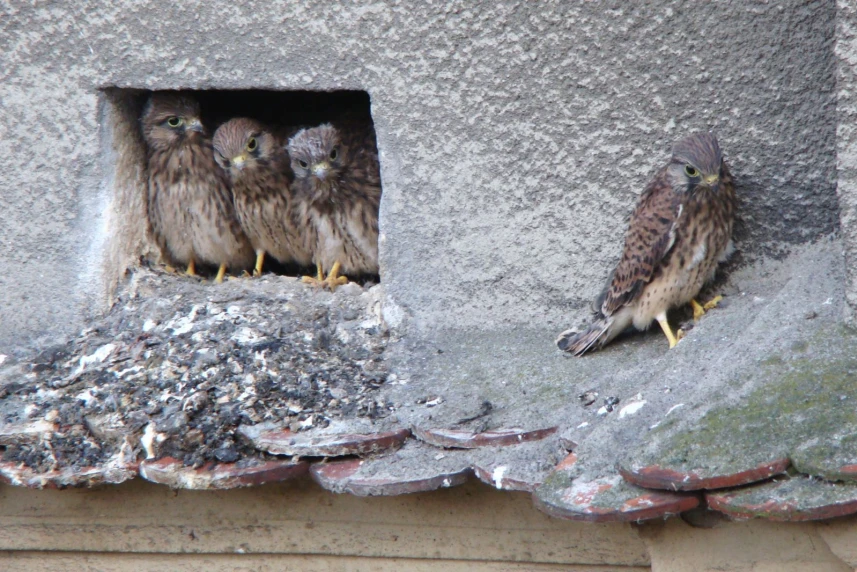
691,171
303,164
333,154
251,144
174,121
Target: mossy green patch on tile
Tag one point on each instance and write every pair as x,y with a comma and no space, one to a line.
789,499
803,405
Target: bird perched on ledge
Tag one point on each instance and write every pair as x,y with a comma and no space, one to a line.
190,209
679,232
261,177
337,189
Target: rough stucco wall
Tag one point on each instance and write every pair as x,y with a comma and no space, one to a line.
49,182
515,136
846,150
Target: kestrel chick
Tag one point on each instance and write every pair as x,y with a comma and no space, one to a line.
338,188
679,232
191,213
261,177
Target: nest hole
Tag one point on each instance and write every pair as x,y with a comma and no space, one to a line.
123,143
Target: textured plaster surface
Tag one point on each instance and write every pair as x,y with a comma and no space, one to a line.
514,136
846,141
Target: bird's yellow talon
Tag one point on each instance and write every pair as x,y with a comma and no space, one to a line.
332,281
221,272
698,310
318,280
191,268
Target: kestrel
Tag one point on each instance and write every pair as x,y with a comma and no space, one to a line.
261,177
191,214
679,232
338,188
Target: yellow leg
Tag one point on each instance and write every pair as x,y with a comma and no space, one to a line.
331,282
221,272
191,268
260,260
169,269
665,326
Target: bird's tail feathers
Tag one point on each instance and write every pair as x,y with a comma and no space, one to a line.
593,337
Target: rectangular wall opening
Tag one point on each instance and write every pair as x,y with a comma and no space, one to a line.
283,112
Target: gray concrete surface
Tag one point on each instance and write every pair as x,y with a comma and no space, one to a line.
514,136
777,317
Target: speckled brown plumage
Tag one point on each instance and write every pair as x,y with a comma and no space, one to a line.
191,215
679,232
261,175
338,189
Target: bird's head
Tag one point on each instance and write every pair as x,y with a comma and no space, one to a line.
696,163
317,153
242,144
169,119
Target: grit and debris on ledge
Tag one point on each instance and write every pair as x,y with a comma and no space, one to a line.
195,385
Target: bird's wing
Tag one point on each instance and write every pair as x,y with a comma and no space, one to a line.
651,234
365,172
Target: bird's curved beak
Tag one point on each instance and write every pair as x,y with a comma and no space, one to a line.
713,181
195,125
320,170
238,162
